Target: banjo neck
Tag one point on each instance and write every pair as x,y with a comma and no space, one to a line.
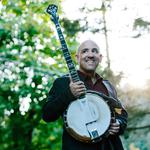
67,56
71,67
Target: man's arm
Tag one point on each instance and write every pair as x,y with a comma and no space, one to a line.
121,117
121,114
59,98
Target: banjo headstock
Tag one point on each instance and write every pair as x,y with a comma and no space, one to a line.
52,10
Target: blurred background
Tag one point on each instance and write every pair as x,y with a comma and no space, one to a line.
31,58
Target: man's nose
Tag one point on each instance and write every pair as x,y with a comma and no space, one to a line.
90,54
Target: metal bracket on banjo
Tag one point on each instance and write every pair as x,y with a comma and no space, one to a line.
92,130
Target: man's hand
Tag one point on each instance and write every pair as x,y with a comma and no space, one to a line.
114,127
77,88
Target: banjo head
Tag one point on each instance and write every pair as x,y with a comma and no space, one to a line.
76,120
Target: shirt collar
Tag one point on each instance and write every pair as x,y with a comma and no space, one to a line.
85,77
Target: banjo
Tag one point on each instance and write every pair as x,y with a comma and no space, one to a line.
88,118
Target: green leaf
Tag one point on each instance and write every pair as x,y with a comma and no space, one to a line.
4,2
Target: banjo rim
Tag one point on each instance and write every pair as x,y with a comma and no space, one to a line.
82,138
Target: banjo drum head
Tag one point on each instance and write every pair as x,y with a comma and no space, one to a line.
76,119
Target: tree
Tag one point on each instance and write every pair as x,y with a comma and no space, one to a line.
141,26
105,5
101,27
30,62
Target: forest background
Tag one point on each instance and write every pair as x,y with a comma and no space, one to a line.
31,58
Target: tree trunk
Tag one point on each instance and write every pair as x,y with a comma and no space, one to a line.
106,35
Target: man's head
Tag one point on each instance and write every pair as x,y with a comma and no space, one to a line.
88,56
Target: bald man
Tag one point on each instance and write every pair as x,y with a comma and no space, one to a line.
64,91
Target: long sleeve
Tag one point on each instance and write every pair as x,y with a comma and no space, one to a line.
121,116
59,98
120,113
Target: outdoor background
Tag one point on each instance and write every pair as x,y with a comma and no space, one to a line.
31,58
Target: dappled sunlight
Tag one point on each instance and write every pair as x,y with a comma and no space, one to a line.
133,147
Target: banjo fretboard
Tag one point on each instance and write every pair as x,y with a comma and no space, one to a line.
52,9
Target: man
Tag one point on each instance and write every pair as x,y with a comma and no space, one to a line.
64,91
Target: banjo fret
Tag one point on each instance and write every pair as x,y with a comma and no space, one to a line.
67,56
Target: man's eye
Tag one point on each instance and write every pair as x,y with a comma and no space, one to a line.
95,50
84,50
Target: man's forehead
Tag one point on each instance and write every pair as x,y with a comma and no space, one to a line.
89,44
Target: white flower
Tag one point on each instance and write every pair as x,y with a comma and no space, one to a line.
24,104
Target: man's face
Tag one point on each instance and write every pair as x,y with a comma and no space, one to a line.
88,56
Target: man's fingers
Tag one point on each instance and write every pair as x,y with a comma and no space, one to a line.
81,90
77,85
114,128
77,82
77,88
80,93
112,132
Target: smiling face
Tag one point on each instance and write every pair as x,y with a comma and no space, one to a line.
88,56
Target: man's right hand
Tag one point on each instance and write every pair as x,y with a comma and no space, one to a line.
77,88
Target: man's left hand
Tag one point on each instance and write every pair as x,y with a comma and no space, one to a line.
114,127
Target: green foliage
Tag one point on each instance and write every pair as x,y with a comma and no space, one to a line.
141,26
30,60
73,27
139,22
53,140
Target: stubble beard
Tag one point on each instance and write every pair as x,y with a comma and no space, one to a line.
86,69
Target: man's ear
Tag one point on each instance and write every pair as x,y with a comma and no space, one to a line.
100,56
77,57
